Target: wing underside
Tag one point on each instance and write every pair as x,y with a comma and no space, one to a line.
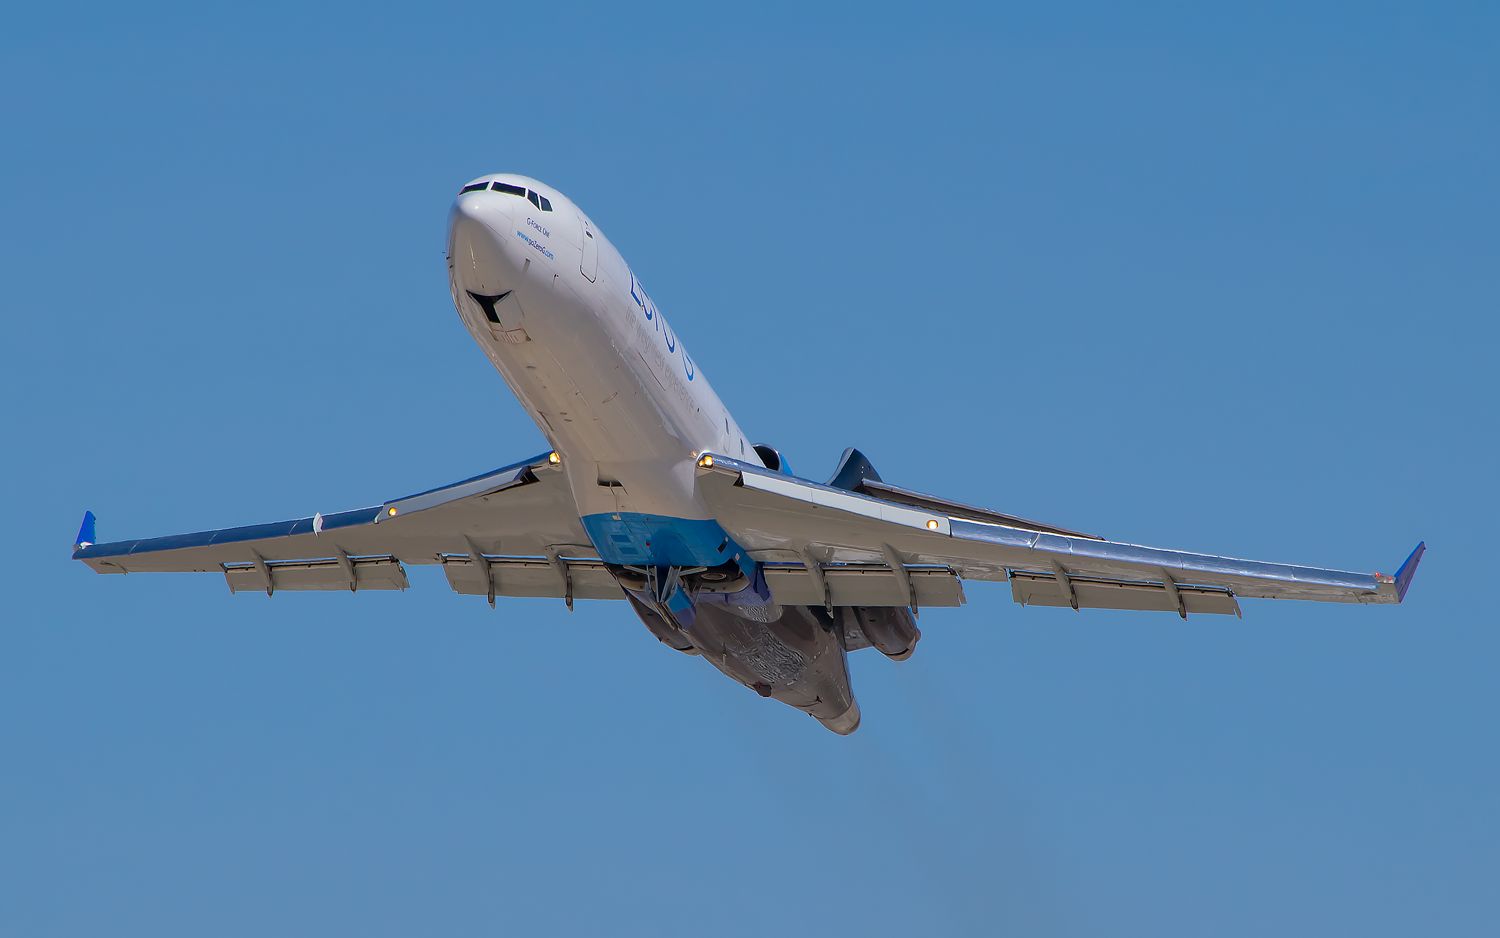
510,532
820,528
515,531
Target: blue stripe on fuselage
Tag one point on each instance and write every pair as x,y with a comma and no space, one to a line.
646,540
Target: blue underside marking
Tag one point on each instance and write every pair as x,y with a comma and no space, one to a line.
642,539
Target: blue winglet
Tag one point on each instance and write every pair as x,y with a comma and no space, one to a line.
86,536
1408,570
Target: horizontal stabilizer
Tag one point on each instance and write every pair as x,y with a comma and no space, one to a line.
856,474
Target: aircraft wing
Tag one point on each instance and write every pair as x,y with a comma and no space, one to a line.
861,543
510,532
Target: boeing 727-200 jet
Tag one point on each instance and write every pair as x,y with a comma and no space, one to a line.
652,495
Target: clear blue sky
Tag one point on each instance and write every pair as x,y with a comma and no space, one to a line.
1219,280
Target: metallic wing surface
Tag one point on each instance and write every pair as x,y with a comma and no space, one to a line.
518,521
792,524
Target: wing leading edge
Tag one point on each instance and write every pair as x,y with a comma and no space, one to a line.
778,518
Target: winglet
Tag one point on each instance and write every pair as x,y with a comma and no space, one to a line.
86,536
1408,570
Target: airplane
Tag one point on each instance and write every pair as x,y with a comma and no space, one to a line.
651,494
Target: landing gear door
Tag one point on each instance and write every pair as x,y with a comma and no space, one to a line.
589,265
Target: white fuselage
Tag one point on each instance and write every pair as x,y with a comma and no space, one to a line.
595,364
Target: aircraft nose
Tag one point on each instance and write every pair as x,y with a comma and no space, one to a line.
483,259
483,205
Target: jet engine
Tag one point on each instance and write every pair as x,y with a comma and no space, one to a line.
892,629
772,459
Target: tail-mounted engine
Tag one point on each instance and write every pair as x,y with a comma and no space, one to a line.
890,629
773,459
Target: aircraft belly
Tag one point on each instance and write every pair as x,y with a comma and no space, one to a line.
792,659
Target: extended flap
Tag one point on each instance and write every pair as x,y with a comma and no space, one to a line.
1046,589
582,578
356,573
864,584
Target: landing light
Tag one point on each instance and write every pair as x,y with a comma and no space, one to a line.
932,524
706,461
553,458
391,511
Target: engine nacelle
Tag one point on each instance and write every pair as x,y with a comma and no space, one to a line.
773,459
891,629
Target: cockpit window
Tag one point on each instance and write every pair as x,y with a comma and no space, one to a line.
535,198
